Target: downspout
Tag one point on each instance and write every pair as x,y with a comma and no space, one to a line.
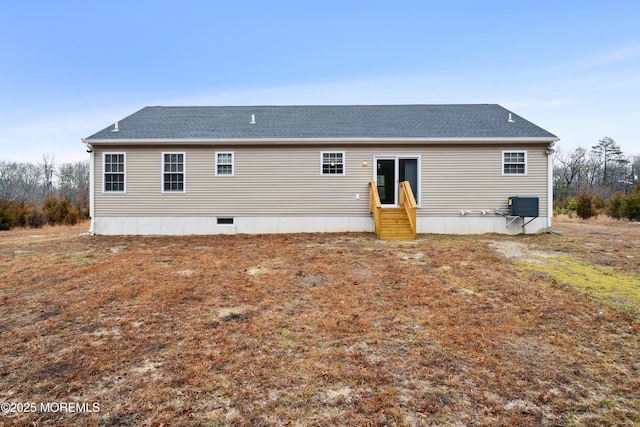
91,185
550,152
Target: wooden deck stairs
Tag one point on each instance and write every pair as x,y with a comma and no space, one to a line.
394,223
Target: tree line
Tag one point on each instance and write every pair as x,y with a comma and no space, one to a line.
602,179
35,194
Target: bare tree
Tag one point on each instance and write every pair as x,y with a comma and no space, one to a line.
20,181
9,176
635,168
34,182
30,182
592,175
569,166
47,164
73,180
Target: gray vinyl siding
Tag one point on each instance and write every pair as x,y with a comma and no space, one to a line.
470,178
287,181
267,181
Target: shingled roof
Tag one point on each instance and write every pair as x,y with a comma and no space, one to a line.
460,121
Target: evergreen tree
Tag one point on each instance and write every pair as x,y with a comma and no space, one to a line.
609,154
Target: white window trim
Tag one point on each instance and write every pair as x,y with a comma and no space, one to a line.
344,163
526,163
397,159
233,163
104,159
184,173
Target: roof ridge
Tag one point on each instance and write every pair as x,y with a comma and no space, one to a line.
322,105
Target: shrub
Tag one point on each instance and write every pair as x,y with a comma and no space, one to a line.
51,206
6,219
36,218
72,217
614,205
557,208
630,206
65,207
20,210
572,205
585,208
84,214
599,203
57,210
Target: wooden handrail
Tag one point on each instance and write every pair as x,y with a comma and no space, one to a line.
375,206
409,203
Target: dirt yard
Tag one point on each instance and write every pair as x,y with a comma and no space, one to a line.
321,329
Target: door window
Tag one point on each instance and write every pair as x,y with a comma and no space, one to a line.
386,180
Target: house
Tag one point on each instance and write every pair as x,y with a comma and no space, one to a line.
284,169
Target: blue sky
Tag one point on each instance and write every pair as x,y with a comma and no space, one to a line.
71,68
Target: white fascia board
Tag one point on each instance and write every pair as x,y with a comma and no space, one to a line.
311,141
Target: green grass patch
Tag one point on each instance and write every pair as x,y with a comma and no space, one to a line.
618,288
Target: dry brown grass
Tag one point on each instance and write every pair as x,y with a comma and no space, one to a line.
319,329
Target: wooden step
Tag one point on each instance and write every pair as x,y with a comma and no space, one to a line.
387,210
387,235
400,237
395,225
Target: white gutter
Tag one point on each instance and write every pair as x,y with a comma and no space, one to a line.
333,141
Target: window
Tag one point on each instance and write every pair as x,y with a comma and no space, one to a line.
224,164
114,172
224,221
173,171
514,162
333,163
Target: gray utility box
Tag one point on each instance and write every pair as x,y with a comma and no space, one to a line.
524,206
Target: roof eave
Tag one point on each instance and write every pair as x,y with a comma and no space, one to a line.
313,141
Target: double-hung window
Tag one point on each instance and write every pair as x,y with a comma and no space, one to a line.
332,162
514,162
113,166
224,164
173,172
